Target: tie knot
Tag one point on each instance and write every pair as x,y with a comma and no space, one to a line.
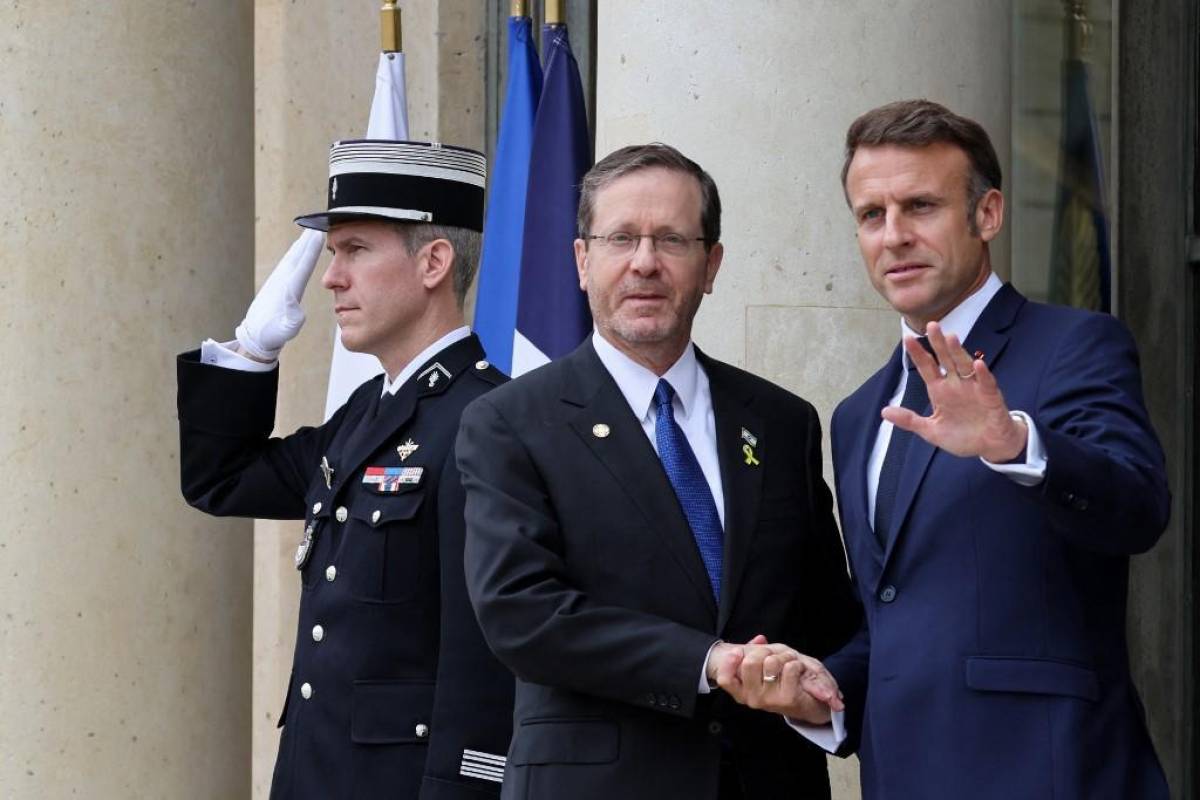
663,393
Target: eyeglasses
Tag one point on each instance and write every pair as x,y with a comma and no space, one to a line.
620,243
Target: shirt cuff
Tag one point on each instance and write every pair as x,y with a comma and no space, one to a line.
222,354
828,737
703,687
1033,470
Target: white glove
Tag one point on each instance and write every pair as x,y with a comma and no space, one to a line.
275,315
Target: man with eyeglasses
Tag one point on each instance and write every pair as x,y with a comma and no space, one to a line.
636,510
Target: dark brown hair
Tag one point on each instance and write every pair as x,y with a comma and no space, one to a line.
645,156
920,123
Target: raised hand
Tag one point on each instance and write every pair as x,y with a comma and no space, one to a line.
969,417
275,315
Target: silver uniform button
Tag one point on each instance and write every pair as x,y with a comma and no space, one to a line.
341,514
306,690
375,515
318,633
317,508
482,364
330,573
422,730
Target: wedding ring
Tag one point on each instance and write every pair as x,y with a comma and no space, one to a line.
770,678
966,377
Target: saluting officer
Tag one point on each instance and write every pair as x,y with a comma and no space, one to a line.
393,692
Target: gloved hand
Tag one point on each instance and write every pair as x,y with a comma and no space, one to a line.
275,315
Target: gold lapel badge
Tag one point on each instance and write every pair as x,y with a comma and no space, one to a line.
407,449
600,430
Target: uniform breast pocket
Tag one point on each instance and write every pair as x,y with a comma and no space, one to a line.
387,547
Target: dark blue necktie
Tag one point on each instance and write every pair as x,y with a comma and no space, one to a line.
916,397
683,470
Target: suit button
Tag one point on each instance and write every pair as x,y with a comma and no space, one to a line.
888,593
330,573
715,728
673,703
1080,504
318,633
341,514
422,730
650,698
1068,497
306,690
661,700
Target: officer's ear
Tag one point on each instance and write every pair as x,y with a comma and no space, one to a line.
436,263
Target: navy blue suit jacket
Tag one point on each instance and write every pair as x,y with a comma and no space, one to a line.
992,662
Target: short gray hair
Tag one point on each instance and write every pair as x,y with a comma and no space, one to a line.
646,156
466,244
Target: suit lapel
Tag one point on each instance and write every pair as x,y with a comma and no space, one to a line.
876,393
741,478
630,459
988,337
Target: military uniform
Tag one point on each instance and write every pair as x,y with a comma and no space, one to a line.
393,692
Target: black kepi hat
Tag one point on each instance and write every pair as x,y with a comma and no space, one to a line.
404,181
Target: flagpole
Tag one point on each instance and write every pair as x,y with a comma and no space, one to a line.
1078,29
556,12
389,27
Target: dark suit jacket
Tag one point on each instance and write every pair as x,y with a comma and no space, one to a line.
992,662
402,684
588,584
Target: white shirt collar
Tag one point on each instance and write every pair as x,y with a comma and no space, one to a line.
637,383
962,318
456,335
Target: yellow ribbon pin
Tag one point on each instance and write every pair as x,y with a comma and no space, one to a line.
749,451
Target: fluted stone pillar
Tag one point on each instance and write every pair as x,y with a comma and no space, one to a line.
761,94
315,70
126,231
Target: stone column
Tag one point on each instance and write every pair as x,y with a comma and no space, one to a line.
315,69
127,230
761,94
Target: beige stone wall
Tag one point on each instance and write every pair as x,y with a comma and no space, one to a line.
761,95
315,66
126,230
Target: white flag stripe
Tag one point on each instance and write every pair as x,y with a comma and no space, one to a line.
526,355
476,755
471,772
388,120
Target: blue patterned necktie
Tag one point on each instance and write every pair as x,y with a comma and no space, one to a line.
683,470
916,397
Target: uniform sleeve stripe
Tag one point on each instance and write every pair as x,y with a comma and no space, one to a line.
478,757
477,772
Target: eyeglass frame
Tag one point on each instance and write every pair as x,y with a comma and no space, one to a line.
655,238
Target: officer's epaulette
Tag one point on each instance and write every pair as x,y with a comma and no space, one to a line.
487,373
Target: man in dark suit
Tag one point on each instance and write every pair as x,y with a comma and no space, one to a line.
990,516
393,692
635,509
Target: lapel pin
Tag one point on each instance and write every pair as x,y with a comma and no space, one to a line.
749,438
327,471
749,453
600,430
408,448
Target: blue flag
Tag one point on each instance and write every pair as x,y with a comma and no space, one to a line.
1080,265
500,263
552,311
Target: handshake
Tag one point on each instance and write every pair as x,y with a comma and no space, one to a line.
774,677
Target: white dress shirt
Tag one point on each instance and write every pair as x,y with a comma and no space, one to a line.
692,405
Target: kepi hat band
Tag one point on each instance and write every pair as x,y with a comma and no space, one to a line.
405,181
